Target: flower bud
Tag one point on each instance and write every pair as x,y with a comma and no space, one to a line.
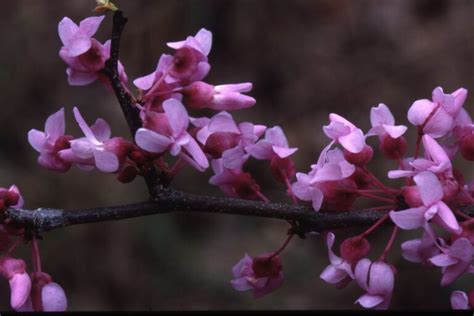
198,94
361,178
360,159
118,146
412,197
355,248
128,174
219,142
282,169
266,266
338,195
246,187
393,148
466,147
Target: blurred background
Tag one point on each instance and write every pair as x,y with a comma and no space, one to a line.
305,59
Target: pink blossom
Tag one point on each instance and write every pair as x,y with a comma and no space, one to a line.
331,166
11,197
172,136
96,148
436,161
437,116
50,142
274,144
460,301
45,295
262,274
431,193
222,137
377,279
14,270
420,250
189,63
226,97
84,55
383,123
339,272
345,133
455,260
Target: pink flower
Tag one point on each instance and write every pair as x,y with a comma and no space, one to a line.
226,97
339,272
460,300
377,279
455,260
96,148
20,284
262,274
345,133
45,296
331,167
274,144
50,142
222,137
437,116
84,55
189,62
383,123
172,136
431,193
436,161
234,182
11,197
420,250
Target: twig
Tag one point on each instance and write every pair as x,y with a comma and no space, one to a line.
45,219
131,113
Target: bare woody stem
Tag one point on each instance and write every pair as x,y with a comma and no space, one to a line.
127,104
45,219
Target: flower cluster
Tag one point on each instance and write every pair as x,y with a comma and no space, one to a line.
430,200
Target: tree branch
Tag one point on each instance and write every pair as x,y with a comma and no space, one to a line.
127,104
45,219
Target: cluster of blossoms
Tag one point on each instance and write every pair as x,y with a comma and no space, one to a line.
431,198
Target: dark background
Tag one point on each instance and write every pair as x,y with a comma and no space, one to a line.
305,58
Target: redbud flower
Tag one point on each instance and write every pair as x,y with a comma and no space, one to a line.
96,148
262,274
383,123
433,207
274,144
437,116
84,55
460,301
50,142
226,97
339,272
173,136
20,284
377,279
420,250
45,296
189,62
455,260
345,133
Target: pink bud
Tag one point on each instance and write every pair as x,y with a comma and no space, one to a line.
361,178
246,187
466,147
282,169
219,142
20,286
393,148
53,297
266,266
412,197
338,195
360,159
128,174
118,146
355,248
198,94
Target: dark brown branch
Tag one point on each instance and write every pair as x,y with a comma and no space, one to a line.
131,112
45,219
